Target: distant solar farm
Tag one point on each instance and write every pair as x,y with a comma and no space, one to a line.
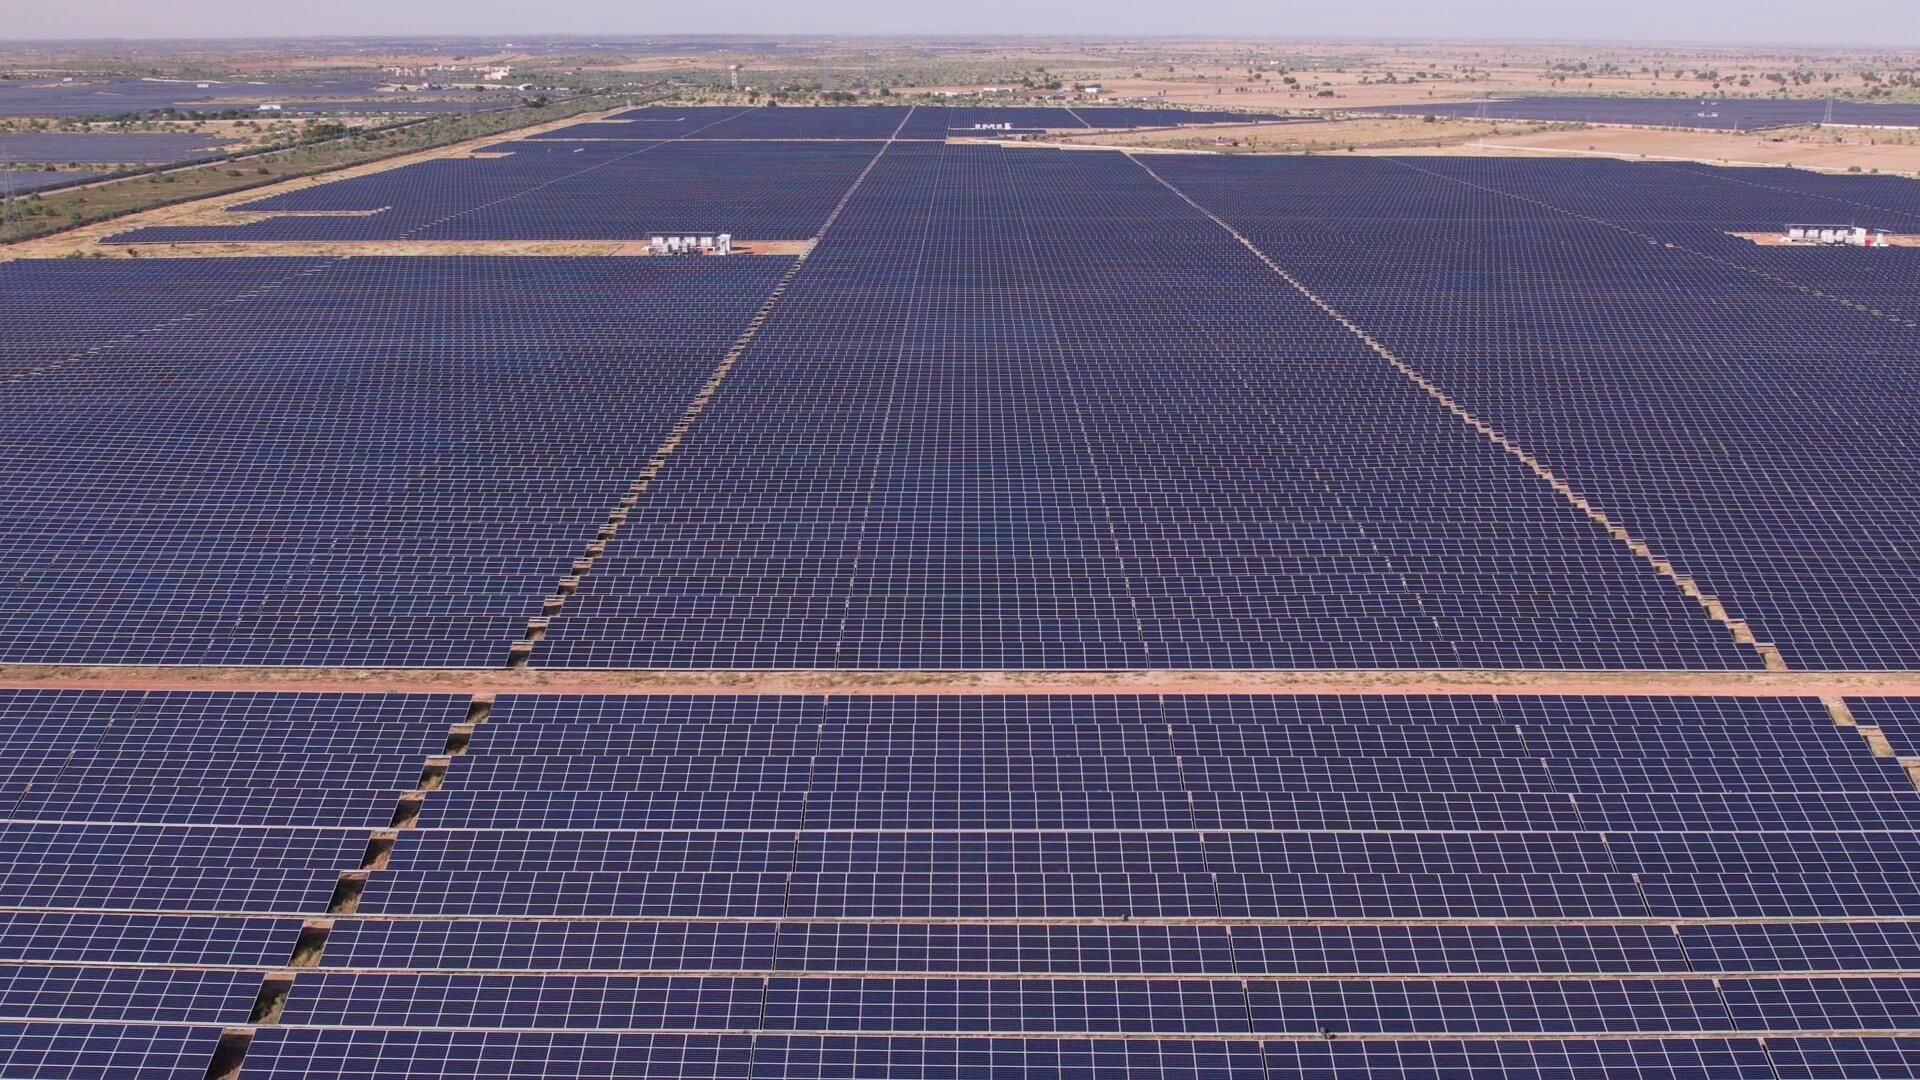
831,628
84,97
1712,112
52,147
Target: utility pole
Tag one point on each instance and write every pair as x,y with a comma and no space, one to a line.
6,198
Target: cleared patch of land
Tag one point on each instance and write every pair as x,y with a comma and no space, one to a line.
760,681
347,248
1838,149
1809,147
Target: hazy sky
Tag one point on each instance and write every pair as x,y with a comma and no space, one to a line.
1890,23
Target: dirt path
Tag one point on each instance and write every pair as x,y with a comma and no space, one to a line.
554,681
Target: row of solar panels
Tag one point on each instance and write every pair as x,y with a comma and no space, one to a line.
549,190
1685,111
882,121
148,1053
1040,1006
786,947
886,892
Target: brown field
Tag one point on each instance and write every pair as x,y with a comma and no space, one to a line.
1810,148
347,248
763,681
1221,75
1829,149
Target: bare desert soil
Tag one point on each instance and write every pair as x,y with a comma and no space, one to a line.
534,680
1803,147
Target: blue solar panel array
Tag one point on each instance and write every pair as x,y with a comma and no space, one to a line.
997,424
975,120
73,147
990,422
385,461
1733,406
1897,719
642,173
114,97
1714,112
21,181
65,311
786,886
161,853
565,191
879,122
598,944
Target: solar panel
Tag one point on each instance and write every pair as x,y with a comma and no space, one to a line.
552,946
524,1001
822,1057
1641,1059
299,1054
117,995
1897,718
1865,1057
66,1051
40,936
1815,946
1856,1004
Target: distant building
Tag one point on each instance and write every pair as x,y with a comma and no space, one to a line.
1837,235
711,244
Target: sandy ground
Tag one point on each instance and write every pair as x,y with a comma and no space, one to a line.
1887,152
343,249
1333,74
85,240
1831,150
543,681
349,248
